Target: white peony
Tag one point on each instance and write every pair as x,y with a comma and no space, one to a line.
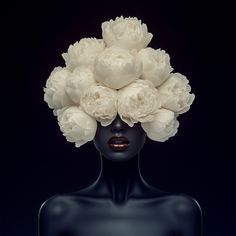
164,126
76,125
118,74
138,102
55,90
156,65
83,53
79,80
175,93
100,102
116,67
128,33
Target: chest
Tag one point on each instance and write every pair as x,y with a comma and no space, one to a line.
128,220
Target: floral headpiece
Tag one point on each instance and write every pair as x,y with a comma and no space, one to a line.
118,74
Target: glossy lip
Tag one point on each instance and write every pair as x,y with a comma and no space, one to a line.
118,143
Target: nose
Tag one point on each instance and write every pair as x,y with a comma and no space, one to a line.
117,125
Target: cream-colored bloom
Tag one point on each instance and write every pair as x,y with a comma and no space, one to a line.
116,67
156,65
138,102
79,80
83,53
175,94
100,102
118,74
55,90
164,126
77,126
128,33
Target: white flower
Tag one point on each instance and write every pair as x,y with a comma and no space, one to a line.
79,80
55,90
175,93
83,53
156,65
138,102
128,33
100,102
76,125
118,74
116,67
164,126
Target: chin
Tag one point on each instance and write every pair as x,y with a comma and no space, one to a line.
118,156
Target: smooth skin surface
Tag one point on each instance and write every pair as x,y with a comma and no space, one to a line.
120,202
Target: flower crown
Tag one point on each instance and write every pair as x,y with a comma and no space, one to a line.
118,74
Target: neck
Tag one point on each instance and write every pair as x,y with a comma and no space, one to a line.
121,179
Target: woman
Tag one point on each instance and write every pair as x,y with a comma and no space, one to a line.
120,201
115,91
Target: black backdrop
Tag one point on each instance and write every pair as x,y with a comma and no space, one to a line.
36,160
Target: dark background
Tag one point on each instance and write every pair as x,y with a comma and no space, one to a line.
36,160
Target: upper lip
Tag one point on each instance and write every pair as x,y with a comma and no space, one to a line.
118,140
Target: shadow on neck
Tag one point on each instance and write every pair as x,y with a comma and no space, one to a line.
120,181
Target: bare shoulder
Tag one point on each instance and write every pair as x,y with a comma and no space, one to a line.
185,214
56,206
183,205
66,205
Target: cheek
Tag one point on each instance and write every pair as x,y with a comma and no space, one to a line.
138,139
138,144
99,144
100,141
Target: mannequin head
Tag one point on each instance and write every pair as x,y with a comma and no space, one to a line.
118,141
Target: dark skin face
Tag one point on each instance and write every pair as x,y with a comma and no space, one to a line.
118,128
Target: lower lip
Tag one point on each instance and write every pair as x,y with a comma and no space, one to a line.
118,147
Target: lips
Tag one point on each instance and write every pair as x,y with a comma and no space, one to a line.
118,143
